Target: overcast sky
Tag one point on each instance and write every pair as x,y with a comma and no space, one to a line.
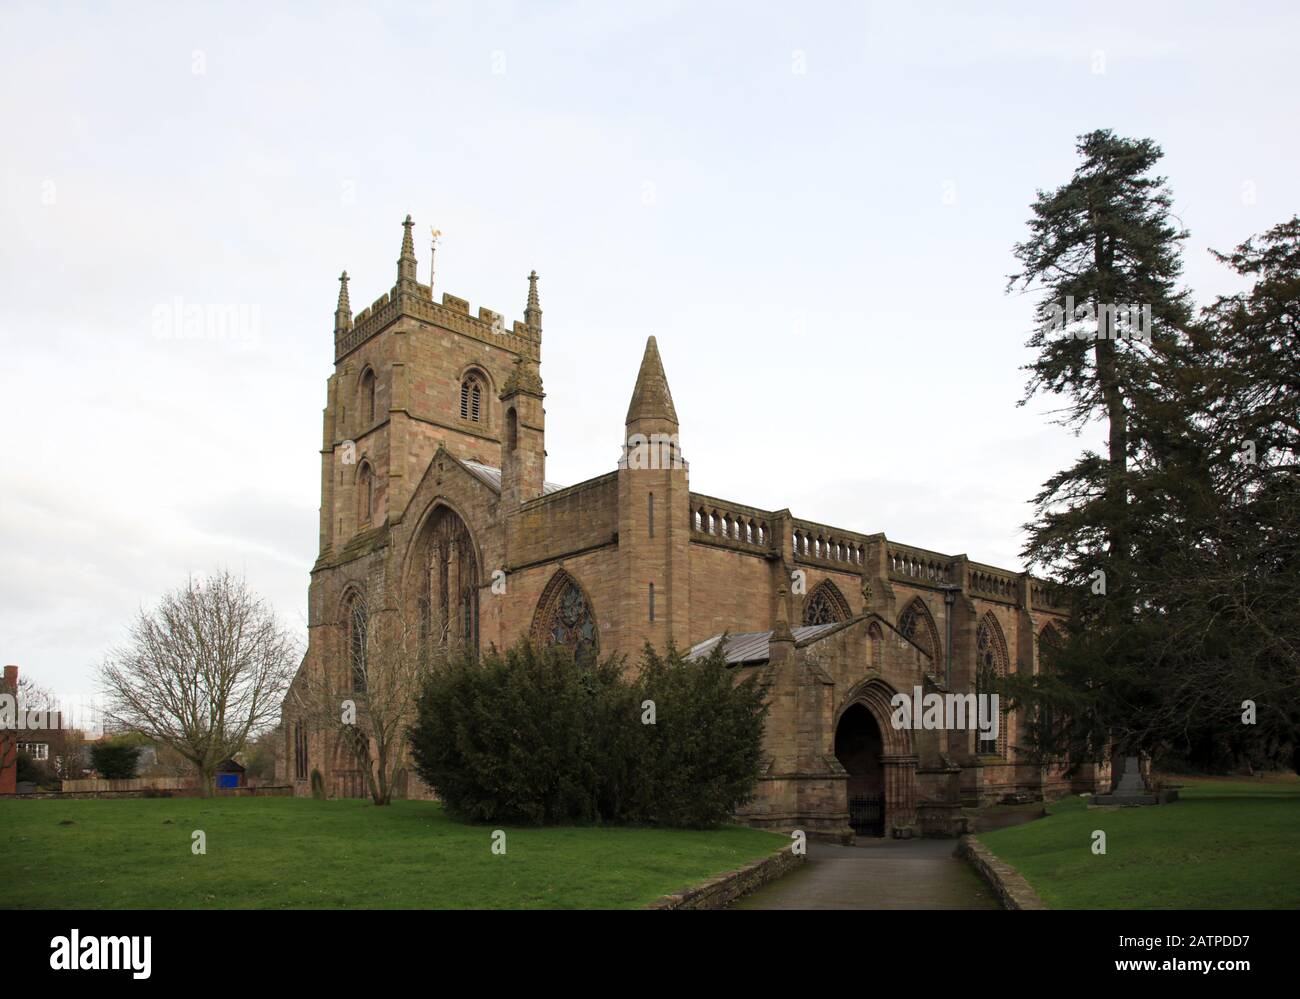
812,206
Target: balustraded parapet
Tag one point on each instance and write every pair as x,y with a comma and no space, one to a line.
814,542
1046,596
993,584
731,524
917,565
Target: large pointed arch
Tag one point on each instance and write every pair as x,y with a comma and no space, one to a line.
876,696
991,663
825,604
916,624
565,616
443,576
1050,638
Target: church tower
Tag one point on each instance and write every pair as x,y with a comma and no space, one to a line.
653,514
412,374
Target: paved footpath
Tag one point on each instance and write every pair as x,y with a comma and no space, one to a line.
878,874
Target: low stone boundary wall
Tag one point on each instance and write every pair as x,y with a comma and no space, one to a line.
1012,889
718,892
278,791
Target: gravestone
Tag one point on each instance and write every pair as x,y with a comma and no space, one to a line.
1131,789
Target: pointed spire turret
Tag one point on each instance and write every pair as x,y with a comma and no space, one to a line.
343,313
533,311
406,262
651,399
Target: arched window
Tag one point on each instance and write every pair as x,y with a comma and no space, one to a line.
825,605
1047,720
991,663
299,751
512,429
1049,642
358,628
365,493
564,617
367,409
918,627
448,591
472,396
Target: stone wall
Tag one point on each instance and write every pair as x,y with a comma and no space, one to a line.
716,893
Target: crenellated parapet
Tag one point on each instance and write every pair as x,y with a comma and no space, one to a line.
408,297
451,313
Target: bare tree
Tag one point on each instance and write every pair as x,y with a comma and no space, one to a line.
372,706
201,672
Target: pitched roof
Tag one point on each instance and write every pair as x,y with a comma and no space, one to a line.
752,646
492,476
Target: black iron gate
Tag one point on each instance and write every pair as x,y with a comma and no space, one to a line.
867,814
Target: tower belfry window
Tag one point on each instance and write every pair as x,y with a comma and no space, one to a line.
471,399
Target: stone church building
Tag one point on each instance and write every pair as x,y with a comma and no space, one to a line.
434,496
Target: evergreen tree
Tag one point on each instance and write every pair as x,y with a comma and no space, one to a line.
1204,662
1106,239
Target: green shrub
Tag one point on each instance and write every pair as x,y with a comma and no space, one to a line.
115,760
317,785
537,736
702,757
30,769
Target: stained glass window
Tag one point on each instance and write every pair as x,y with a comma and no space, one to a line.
564,617
825,605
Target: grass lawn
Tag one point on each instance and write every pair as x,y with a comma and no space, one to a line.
283,853
1226,844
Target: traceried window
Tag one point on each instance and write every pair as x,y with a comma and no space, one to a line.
564,617
990,663
825,605
358,626
449,589
916,625
472,397
1049,645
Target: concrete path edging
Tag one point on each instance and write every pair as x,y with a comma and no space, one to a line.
1009,884
726,888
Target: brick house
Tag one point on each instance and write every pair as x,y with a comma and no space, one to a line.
40,734
433,488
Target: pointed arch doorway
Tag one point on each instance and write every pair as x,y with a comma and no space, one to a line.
860,748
